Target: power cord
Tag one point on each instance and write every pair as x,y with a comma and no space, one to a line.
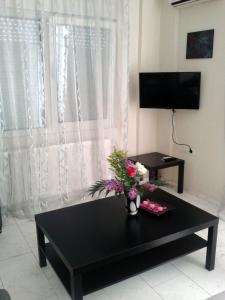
173,134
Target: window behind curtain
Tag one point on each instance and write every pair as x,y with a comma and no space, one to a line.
85,42
21,92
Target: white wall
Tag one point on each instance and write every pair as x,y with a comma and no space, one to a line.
167,62
203,129
144,56
158,43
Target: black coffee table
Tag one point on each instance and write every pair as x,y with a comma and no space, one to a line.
95,244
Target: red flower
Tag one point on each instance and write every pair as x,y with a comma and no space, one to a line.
131,171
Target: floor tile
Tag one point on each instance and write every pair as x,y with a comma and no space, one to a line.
203,233
12,242
28,230
24,280
133,289
160,274
8,220
62,294
181,288
220,296
221,225
220,237
27,227
220,258
96,296
58,287
193,266
48,270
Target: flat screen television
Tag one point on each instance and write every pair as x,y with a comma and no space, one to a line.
171,90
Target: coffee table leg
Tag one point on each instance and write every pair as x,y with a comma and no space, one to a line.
76,286
180,178
41,247
211,247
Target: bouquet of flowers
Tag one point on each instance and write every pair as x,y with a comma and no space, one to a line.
128,177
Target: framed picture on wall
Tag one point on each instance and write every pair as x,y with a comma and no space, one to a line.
200,44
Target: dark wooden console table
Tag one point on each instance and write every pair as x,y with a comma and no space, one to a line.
153,162
93,245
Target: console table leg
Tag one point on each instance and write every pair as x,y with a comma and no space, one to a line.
153,175
76,287
41,247
211,247
180,178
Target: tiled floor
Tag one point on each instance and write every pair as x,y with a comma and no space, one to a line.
183,279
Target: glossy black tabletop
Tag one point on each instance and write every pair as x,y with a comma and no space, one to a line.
154,160
88,233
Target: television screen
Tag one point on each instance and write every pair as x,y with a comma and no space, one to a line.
173,90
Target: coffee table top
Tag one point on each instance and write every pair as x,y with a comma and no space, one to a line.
154,160
99,231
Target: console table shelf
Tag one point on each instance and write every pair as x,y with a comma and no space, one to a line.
133,265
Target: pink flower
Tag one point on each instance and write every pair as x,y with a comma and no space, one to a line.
132,194
160,208
128,163
153,206
150,187
113,185
145,203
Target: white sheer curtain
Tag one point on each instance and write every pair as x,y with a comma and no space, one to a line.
63,98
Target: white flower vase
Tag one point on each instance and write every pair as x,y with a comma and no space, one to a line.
132,205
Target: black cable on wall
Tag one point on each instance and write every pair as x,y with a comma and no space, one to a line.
173,134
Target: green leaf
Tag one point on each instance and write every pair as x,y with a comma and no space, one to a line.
97,186
106,194
159,182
